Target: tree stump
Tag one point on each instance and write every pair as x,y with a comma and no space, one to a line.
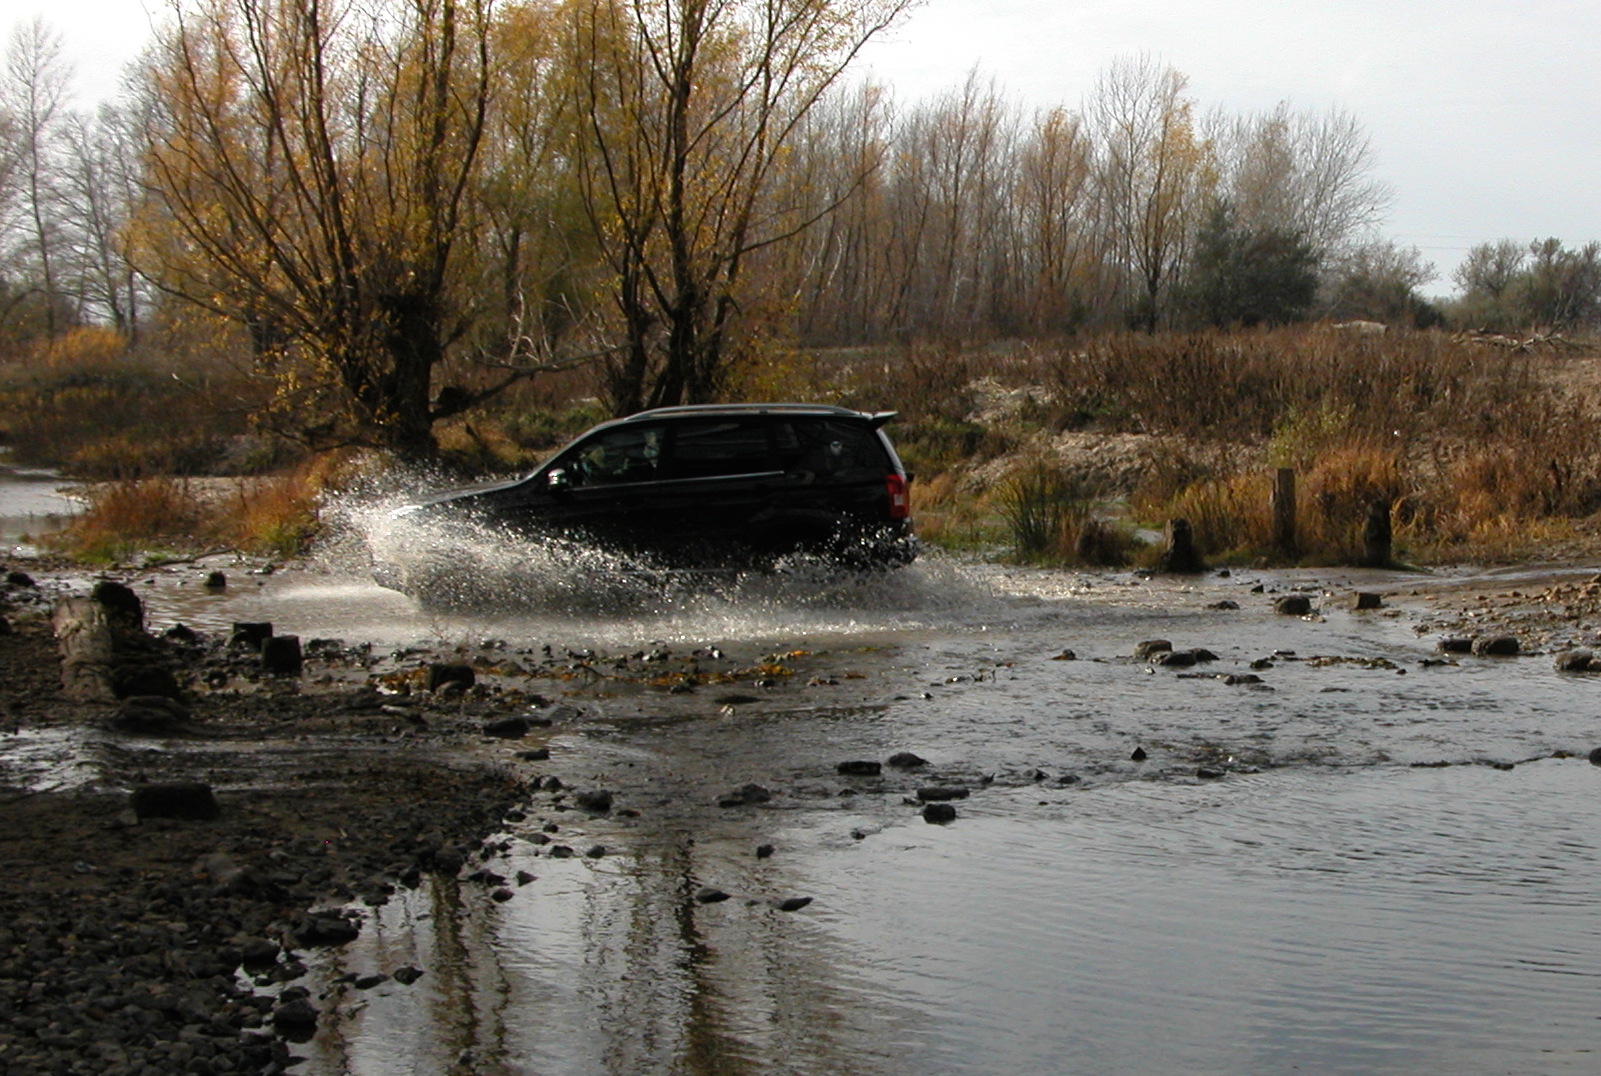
1181,555
1283,504
83,635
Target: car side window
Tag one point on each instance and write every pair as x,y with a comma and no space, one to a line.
837,450
720,448
628,454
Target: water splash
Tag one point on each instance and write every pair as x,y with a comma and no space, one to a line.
462,577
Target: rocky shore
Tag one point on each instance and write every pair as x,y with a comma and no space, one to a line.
162,885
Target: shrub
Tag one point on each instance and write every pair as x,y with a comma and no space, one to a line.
1048,512
121,419
276,516
124,517
1336,496
1227,513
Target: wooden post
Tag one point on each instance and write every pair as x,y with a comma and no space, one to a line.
1376,536
1284,511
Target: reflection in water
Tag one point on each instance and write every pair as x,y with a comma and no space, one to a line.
1373,920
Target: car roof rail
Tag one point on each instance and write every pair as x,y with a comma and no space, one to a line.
760,409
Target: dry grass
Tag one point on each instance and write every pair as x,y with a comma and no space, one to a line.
124,517
952,518
276,516
1469,447
1478,451
1051,514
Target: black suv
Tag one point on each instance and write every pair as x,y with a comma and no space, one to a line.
734,485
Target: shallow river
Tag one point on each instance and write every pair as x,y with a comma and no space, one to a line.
31,505
1336,903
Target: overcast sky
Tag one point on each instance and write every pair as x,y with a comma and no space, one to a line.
1485,116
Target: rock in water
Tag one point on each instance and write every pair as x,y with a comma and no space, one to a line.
1576,661
598,801
191,800
150,715
941,793
1504,646
281,656
440,675
510,728
249,635
123,608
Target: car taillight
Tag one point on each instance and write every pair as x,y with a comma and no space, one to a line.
900,498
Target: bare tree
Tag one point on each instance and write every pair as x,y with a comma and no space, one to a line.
99,187
835,275
1379,281
1302,173
1562,289
1152,173
1052,200
33,93
309,164
689,108
1489,278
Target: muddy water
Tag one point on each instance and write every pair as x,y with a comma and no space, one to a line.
1338,902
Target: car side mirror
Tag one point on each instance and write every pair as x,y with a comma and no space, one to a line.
558,480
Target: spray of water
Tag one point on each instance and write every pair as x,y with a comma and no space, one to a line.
459,573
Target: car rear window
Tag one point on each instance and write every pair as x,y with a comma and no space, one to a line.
831,449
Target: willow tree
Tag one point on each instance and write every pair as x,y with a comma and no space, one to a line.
1153,174
687,109
308,165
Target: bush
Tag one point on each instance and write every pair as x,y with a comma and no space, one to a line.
277,516
125,517
936,444
114,418
1049,513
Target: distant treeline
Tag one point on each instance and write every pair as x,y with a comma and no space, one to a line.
395,209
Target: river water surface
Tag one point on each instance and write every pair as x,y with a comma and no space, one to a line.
31,505
1397,871
1389,867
